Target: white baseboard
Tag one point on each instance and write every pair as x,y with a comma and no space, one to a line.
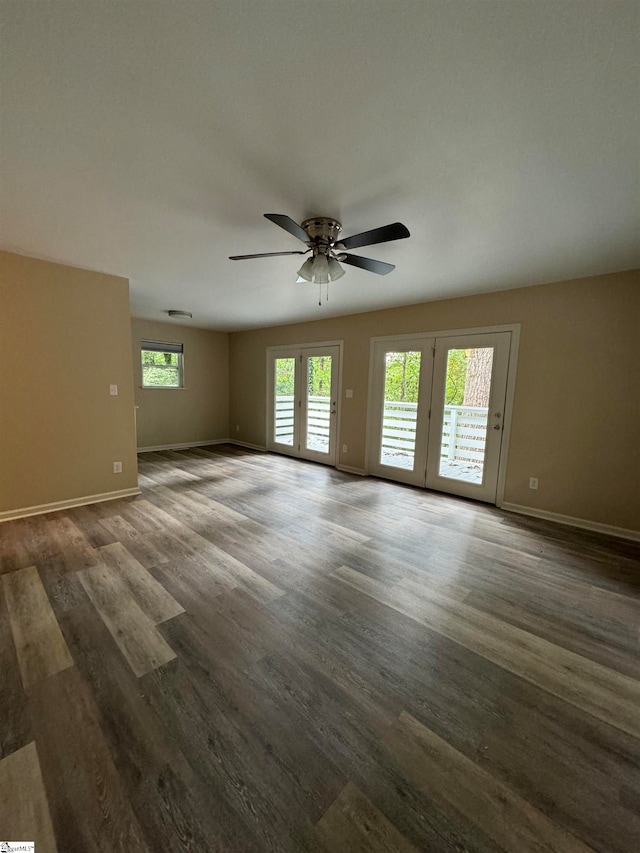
184,446
41,509
187,444
582,523
349,470
246,444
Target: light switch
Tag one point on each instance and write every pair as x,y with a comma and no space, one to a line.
113,390
349,393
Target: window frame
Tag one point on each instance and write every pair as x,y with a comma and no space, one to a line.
170,347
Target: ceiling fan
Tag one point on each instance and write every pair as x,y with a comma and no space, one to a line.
322,235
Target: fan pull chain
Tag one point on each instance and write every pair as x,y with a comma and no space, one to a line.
320,295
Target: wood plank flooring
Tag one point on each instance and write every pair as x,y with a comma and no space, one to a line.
25,811
40,646
262,654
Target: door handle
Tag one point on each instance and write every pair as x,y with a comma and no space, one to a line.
497,426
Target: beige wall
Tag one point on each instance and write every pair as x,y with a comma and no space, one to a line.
577,408
65,336
200,410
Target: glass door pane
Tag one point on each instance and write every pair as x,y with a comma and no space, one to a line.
284,402
467,414
400,412
466,408
399,408
318,390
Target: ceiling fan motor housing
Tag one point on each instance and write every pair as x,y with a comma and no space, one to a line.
323,231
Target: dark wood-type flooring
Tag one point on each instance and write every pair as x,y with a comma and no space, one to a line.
262,654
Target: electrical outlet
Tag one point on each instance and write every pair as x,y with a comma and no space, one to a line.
237,427
117,467
349,393
533,482
344,448
113,390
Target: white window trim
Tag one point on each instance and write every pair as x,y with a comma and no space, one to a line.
170,349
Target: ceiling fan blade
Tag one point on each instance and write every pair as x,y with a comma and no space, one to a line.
368,264
288,224
395,231
263,255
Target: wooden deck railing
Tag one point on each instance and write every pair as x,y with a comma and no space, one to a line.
466,424
318,421
463,432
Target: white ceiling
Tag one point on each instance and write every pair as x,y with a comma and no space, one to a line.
146,139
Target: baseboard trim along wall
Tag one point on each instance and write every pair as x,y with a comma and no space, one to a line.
583,523
41,509
349,470
187,444
184,446
247,445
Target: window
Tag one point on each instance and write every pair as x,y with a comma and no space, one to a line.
161,365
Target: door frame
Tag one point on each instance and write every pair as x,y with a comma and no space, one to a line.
514,328
269,407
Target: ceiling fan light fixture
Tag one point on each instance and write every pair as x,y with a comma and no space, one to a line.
306,270
335,270
320,269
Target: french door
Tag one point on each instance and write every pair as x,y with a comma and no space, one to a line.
399,423
302,390
437,411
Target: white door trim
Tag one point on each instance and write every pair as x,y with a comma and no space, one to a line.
508,411
450,333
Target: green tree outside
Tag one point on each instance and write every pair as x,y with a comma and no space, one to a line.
318,380
402,377
285,377
456,377
160,369
319,376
